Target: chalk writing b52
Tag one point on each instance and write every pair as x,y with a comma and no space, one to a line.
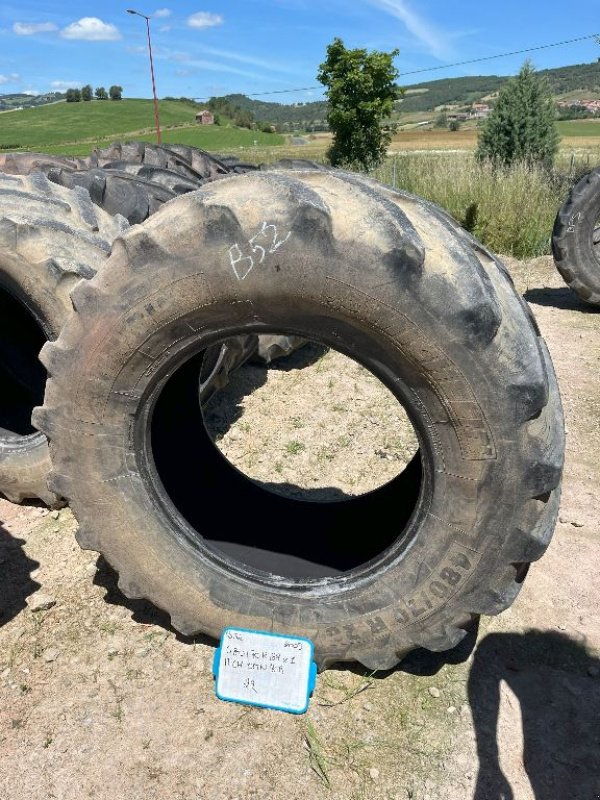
243,258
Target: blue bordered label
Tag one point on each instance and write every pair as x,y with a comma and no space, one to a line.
268,670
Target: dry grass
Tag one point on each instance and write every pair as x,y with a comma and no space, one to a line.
510,210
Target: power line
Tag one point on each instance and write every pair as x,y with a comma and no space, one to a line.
445,66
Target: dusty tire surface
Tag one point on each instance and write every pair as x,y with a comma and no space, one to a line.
50,238
384,278
117,192
576,239
190,162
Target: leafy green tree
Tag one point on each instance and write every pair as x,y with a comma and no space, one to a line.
101,93
361,92
116,92
521,127
454,125
86,92
73,95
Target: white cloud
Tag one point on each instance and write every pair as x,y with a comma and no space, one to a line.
30,28
164,28
91,29
30,92
204,19
436,41
162,12
62,86
12,78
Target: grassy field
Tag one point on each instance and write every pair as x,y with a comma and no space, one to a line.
39,128
579,127
75,128
434,139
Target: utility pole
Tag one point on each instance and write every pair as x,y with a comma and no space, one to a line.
156,117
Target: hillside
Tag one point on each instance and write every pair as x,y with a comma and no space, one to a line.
9,102
464,91
279,113
76,128
38,128
427,96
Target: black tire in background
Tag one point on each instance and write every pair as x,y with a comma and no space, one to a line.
385,278
190,162
576,239
50,238
118,192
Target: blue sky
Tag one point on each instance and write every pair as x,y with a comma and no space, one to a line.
254,46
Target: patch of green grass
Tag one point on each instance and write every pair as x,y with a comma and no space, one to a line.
294,447
215,138
316,756
579,127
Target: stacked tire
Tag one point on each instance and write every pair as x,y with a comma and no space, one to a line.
58,220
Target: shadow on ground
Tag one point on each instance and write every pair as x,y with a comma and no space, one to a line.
16,583
556,682
562,298
553,676
142,611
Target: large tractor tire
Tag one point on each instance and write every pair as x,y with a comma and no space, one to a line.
50,238
576,239
384,278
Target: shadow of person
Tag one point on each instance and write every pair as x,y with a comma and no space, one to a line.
16,583
556,682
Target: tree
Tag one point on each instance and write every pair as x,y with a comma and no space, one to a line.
101,93
521,126
86,92
73,95
361,93
454,125
116,92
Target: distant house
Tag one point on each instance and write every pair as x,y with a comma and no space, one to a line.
480,110
205,118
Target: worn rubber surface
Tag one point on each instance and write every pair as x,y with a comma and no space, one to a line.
190,162
50,238
26,163
168,178
389,280
118,192
576,239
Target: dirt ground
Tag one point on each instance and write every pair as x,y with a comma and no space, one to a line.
100,698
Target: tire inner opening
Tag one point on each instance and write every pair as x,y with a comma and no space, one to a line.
22,376
305,469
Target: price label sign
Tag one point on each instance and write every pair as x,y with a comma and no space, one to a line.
268,670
